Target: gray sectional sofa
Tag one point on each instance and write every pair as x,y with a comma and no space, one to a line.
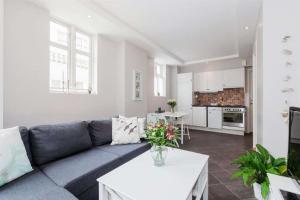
67,160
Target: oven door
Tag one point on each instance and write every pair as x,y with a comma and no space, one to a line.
233,119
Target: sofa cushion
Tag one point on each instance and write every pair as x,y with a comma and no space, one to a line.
79,172
34,186
126,151
25,138
101,131
52,142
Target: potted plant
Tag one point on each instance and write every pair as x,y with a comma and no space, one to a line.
253,169
172,103
161,136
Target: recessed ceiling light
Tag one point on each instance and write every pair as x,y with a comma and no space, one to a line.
89,16
246,28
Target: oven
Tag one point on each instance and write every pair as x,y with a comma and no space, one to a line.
234,118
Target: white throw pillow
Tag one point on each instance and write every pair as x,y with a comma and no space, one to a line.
141,126
125,131
14,161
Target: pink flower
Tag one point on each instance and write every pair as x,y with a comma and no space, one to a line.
170,132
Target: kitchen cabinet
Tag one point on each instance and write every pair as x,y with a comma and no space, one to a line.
208,81
214,81
200,82
214,115
234,78
199,116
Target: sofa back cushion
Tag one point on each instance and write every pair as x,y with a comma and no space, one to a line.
25,138
101,131
52,142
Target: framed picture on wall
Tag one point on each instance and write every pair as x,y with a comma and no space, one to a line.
137,85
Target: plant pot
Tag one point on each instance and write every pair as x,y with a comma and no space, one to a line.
257,192
172,109
159,155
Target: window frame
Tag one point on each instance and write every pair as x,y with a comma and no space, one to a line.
70,86
162,76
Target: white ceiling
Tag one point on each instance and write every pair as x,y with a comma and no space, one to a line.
176,31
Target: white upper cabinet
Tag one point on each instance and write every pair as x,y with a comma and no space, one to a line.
208,81
234,78
200,82
215,81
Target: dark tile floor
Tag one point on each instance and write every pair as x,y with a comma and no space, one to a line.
222,149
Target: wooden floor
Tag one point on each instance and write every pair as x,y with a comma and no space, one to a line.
222,149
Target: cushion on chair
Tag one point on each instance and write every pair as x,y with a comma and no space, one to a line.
79,172
101,131
34,186
52,142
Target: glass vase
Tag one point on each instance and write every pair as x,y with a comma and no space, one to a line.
172,109
159,155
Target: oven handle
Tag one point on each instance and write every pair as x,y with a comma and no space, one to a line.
243,112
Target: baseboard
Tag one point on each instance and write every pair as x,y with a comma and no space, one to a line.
226,131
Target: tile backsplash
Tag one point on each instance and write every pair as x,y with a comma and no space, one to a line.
234,96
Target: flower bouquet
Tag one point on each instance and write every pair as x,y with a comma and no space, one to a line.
172,103
161,136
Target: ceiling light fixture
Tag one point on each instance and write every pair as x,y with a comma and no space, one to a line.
246,28
89,16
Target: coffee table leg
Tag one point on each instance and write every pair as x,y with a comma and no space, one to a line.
103,194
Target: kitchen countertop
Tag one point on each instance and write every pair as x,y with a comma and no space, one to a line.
231,106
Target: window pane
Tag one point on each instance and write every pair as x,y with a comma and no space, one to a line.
82,72
82,42
155,86
163,70
158,70
58,68
161,86
59,34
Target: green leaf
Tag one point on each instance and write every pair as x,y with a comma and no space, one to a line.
265,189
237,174
273,171
282,169
264,152
245,178
280,161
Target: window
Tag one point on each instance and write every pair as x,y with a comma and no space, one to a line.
70,59
159,80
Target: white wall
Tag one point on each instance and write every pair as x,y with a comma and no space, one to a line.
279,19
212,66
27,99
258,84
135,59
1,61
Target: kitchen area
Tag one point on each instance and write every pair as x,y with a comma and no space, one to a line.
217,101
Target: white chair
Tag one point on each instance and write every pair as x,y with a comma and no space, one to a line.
186,130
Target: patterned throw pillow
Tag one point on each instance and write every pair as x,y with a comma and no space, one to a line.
14,160
125,131
141,126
